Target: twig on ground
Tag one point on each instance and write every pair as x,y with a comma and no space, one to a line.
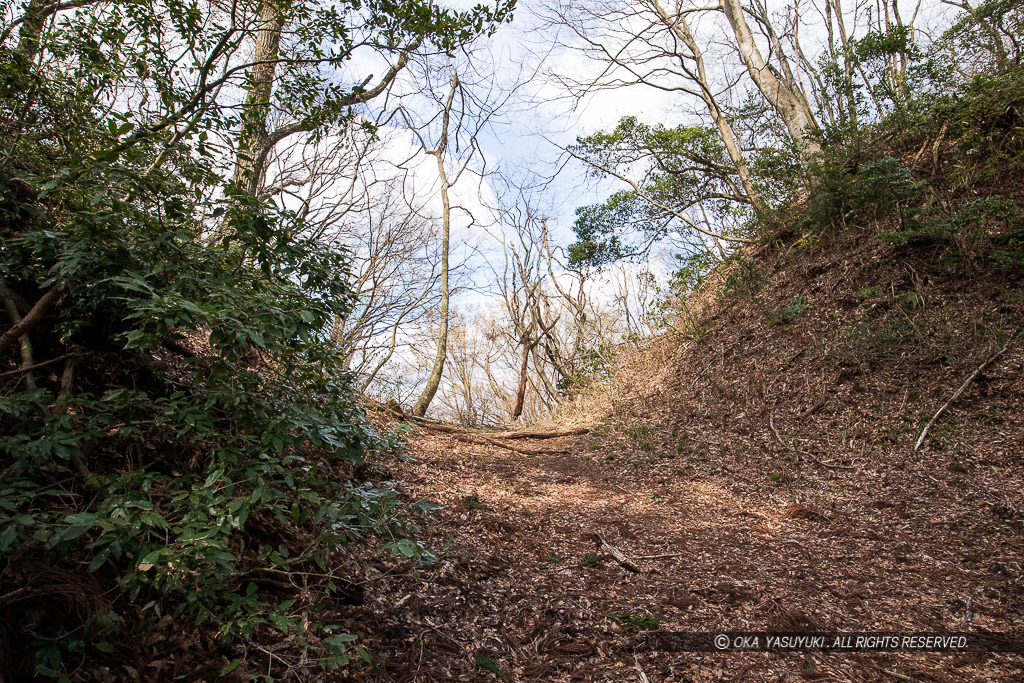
961,390
828,465
816,407
660,557
771,423
895,675
617,554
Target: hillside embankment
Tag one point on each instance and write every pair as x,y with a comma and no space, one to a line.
757,468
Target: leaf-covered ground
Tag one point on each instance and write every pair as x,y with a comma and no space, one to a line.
757,464
514,589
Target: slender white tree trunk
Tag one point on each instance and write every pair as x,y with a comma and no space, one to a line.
681,29
789,102
437,371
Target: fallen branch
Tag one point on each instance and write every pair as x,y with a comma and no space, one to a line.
623,561
526,451
469,435
12,596
486,441
418,421
43,364
541,435
31,319
961,390
701,374
491,437
920,152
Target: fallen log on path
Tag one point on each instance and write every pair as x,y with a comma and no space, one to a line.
541,435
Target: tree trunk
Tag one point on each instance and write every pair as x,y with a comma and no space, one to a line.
253,140
851,102
32,29
30,320
434,380
681,28
27,360
517,409
790,104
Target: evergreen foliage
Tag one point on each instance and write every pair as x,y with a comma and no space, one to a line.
178,430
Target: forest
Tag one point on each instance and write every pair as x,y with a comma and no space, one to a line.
424,340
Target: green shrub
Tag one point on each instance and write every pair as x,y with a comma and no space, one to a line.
187,438
744,279
787,313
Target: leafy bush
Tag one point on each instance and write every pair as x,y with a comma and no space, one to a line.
199,396
943,172
927,155
177,432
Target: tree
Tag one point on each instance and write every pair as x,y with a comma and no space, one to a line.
678,170
698,73
525,300
446,181
645,43
447,129
308,98
778,86
679,176
214,393
397,269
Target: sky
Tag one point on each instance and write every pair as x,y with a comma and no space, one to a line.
525,137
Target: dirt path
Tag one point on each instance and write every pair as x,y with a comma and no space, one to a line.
514,590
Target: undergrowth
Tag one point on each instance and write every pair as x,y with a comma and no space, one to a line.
179,432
